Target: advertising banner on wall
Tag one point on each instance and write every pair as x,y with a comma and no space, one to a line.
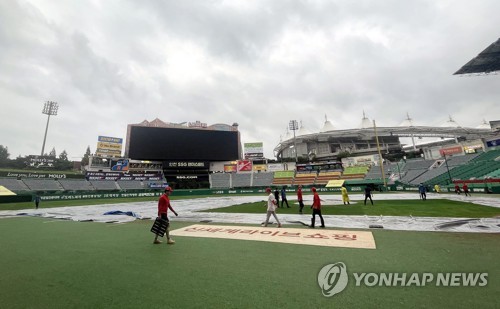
244,166
451,150
260,167
230,168
493,143
109,146
253,150
274,167
40,161
122,176
189,165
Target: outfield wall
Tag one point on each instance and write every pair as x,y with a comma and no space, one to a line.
60,196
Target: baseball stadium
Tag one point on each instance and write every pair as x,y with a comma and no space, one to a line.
410,218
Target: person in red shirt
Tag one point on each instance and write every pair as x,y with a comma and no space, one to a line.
457,189
316,207
300,199
163,207
466,189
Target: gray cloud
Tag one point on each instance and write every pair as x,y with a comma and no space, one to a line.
258,63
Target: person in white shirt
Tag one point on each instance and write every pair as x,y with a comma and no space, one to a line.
271,207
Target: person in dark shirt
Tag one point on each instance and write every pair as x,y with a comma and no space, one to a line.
283,198
368,194
277,197
422,189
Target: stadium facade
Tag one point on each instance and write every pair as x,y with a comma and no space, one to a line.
329,143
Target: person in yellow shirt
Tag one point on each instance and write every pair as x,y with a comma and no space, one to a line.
345,196
437,188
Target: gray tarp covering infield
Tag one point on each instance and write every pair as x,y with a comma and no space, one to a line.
188,211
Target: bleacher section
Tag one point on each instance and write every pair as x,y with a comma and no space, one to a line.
487,156
304,178
494,174
104,185
262,179
283,177
324,177
376,173
130,184
460,160
43,184
76,185
13,184
354,172
477,167
220,180
241,180
412,169
425,177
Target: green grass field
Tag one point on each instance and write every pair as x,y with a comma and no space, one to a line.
47,263
416,208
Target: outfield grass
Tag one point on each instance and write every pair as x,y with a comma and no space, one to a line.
416,208
46,263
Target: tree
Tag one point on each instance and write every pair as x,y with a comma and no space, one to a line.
63,156
4,155
53,152
343,154
62,163
86,156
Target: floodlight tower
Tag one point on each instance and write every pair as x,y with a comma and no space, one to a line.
294,126
49,109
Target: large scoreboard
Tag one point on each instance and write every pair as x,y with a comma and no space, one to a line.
160,143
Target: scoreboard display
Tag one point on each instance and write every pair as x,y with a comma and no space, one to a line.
154,143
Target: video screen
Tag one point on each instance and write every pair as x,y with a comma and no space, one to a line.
147,143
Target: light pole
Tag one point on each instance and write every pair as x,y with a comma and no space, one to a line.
379,155
293,125
49,109
446,163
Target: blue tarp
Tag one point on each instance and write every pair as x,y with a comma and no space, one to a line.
119,212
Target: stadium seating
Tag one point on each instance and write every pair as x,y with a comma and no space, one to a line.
354,172
220,180
130,184
324,177
376,173
13,184
460,160
43,184
262,179
477,167
241,180
104,185
76,185
283,177
487,156
305,178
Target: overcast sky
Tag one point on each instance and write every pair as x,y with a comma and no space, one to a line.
258,63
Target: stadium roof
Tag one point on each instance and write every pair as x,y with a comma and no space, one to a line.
488,61
328,126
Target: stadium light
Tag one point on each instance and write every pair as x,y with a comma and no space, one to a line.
294,126
50,109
